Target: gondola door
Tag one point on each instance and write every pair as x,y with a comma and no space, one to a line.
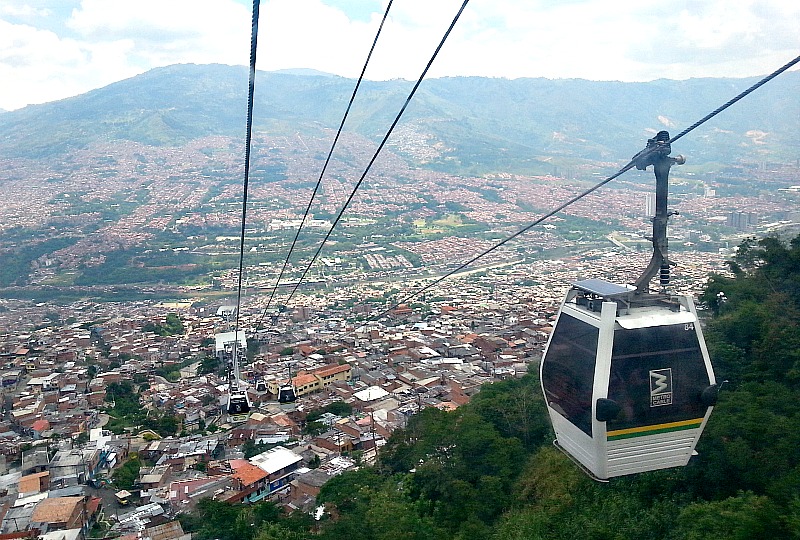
662,383
572,375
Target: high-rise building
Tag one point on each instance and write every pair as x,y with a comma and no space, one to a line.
650,205
742,221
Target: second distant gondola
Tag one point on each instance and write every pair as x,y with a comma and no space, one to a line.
238,407
287,392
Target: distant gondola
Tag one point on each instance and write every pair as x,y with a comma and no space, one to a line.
626,374
238,407
286,394
231,346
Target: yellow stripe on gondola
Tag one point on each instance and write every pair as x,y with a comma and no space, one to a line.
652,430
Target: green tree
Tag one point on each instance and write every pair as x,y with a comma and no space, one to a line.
128,473
461,465
172,326
339,408
373,508
163,424
314,428
261,521
209,364
743,517
516,409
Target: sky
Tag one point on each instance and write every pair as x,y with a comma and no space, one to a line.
53,49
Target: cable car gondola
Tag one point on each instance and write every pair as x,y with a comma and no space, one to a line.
286,391
626,374
233,346
286,394
238,407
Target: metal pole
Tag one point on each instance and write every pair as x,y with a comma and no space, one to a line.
657,154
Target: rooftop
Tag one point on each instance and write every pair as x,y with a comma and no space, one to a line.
56,509
276,459
371,394
249,474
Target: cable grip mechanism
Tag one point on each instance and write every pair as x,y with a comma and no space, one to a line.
656,153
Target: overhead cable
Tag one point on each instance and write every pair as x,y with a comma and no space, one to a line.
325,166
641,156
380,148
525,229
718,110
248,140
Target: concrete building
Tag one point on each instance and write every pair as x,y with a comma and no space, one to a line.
280,464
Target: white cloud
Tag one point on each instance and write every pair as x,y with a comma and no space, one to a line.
77,46
22,10
37,66
116,40
175,31
631,41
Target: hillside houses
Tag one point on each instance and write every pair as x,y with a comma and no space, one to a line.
384,371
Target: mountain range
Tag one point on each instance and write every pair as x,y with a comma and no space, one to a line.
477,124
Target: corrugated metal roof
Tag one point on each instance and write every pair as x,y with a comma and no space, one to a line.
276,459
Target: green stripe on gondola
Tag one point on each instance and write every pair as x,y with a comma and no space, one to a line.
642,431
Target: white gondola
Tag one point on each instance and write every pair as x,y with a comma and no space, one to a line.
239,406
629,388
626,375
287,393
231,346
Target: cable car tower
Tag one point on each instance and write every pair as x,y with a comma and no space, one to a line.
626,375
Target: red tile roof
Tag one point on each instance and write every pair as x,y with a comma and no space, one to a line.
93,505
332,370
249,474
301,380
40,425
237,463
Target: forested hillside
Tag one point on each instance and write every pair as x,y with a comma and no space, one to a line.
465,125
489,471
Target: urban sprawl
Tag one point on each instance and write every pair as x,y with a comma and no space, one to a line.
360,360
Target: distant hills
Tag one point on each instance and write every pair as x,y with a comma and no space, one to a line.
475,124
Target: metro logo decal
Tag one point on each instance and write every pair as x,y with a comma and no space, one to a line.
660,387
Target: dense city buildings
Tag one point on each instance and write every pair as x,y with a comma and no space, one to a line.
116,328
